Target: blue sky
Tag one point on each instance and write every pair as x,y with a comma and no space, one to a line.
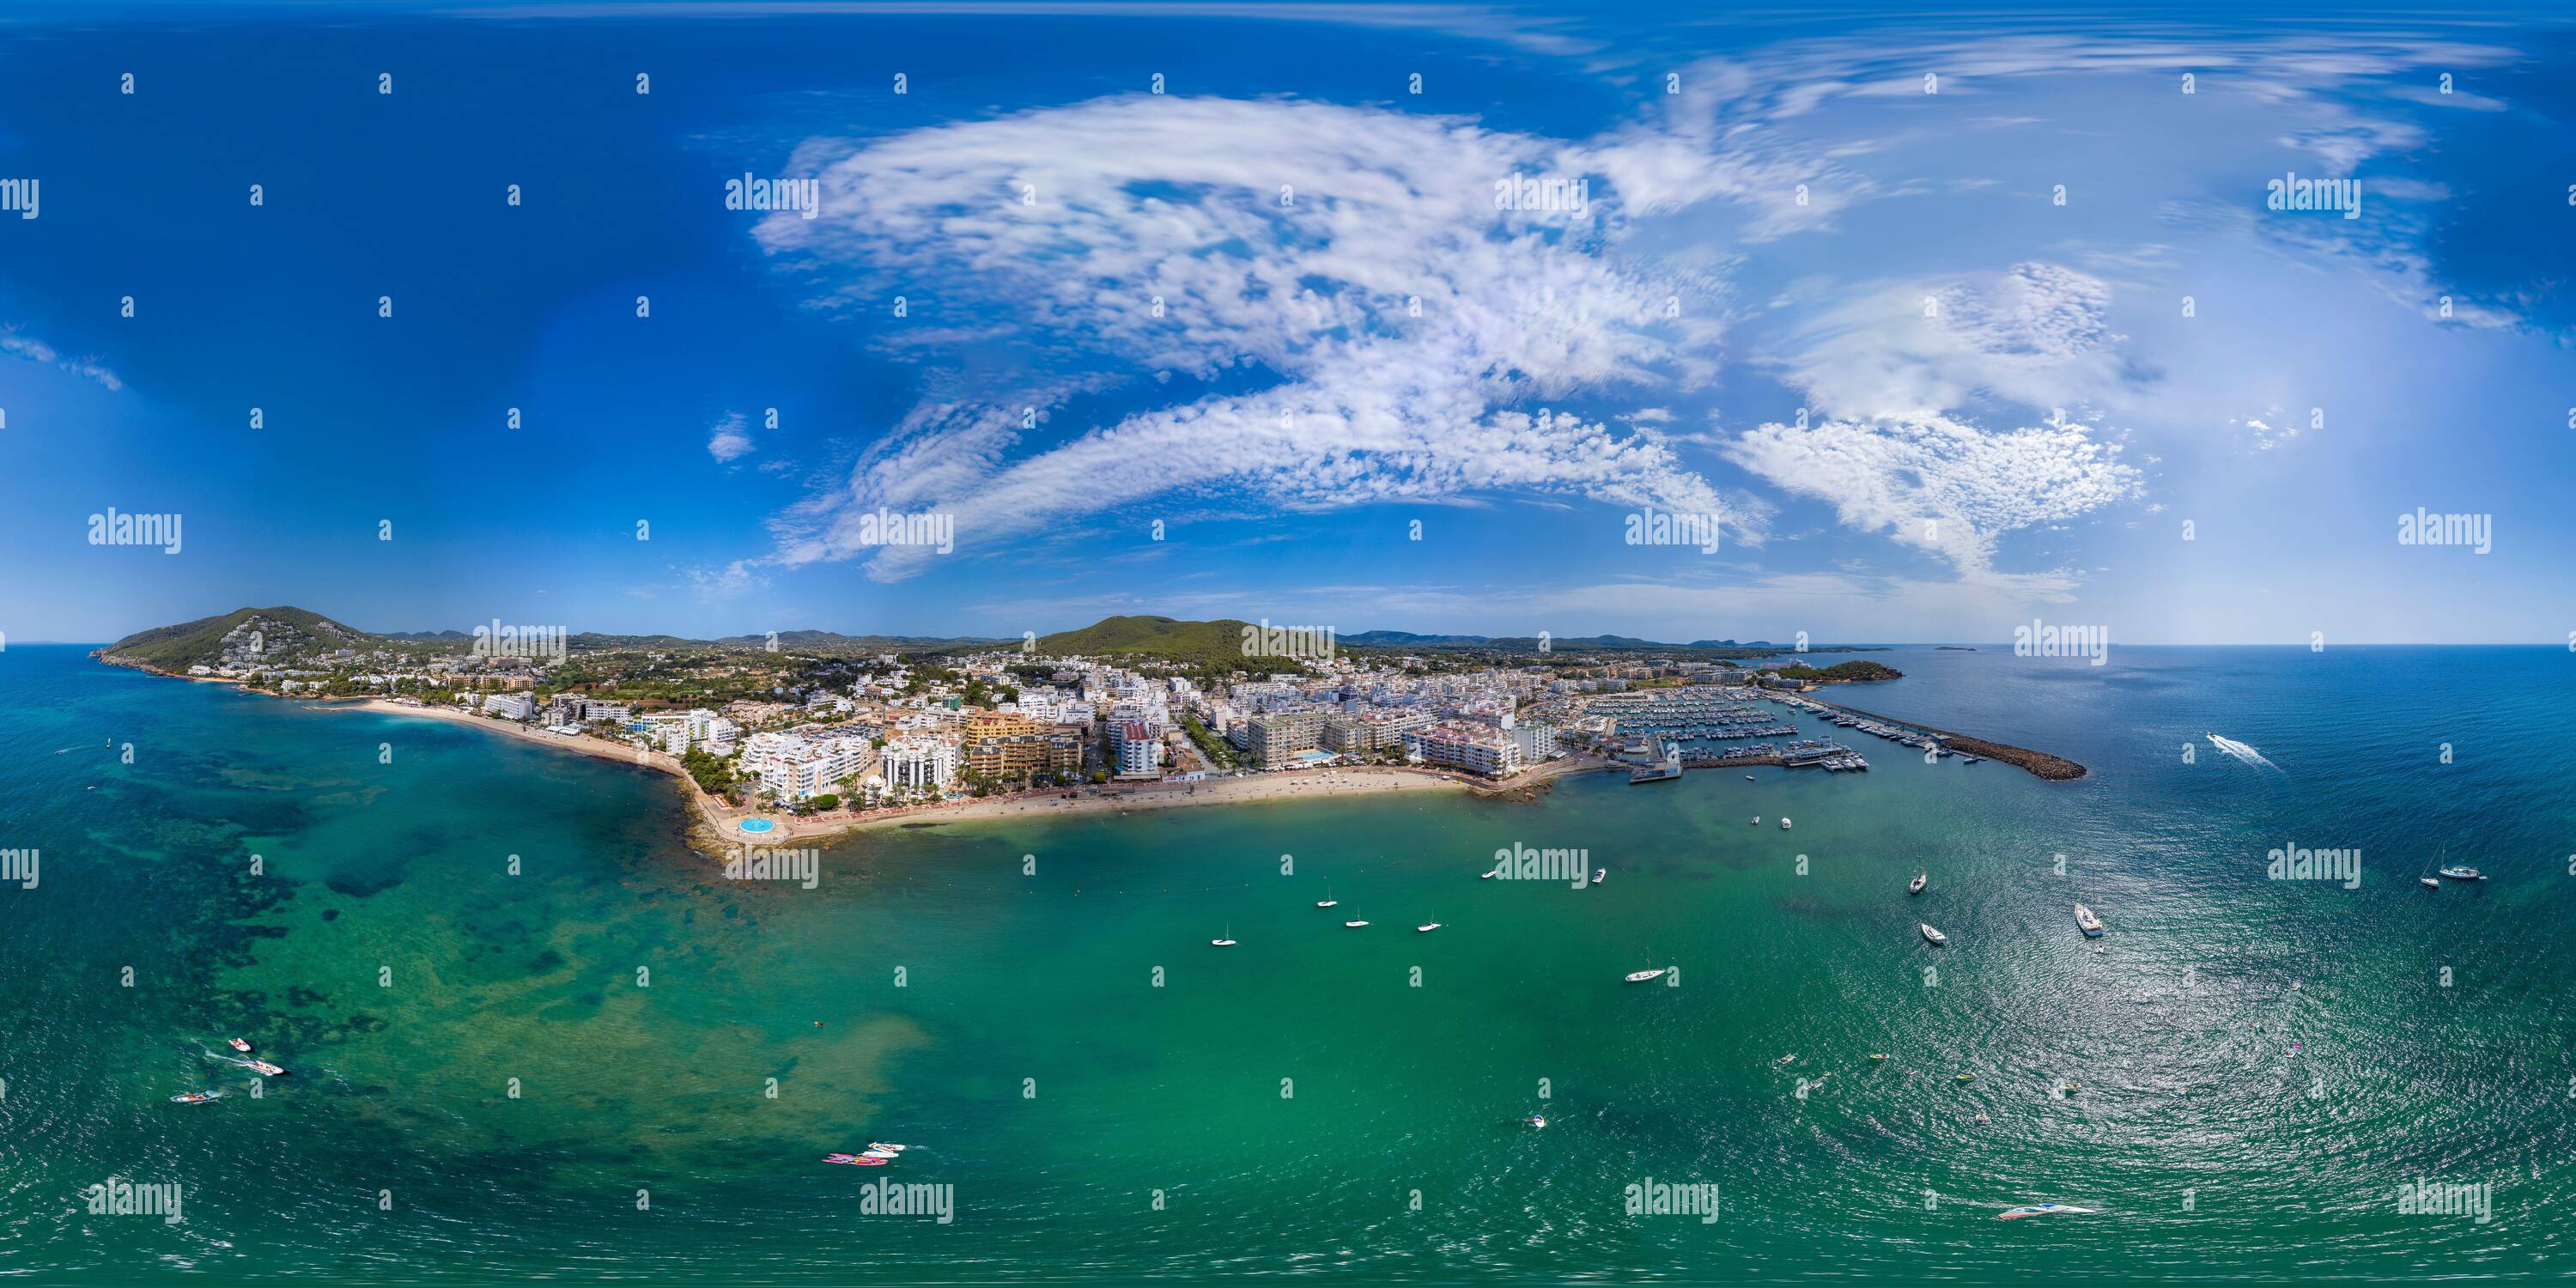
1850,317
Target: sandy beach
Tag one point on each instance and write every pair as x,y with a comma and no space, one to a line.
717,822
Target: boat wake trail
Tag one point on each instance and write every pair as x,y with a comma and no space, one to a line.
2242,752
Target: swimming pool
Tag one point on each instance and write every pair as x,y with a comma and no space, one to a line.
756,826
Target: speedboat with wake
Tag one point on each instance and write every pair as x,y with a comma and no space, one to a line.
265,1067
2038,1209
1936,937
2087,922
1915,886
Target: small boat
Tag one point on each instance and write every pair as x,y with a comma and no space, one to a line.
265,1067
1757,820
1228,941
1748,778
886,1154
2037,1209
854,1160
876,1145
1936,937
1427,927
1967,1077
1876,1056
2428,883
2087,922
1785,1059
1535,1120
1599,875
1328,900
2464,874
1915,886
1491,875
238,1044
1784,822
1354,924
1641,976
196,1097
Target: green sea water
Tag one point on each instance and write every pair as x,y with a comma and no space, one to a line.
607,1063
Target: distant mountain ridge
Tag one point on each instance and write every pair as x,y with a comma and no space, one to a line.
288,629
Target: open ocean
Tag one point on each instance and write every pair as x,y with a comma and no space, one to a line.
482,1085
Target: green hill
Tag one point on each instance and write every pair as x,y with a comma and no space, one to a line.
1217,643
281,631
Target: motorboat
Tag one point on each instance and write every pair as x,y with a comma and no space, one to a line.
2037,1209
2464,874
1599,875
1427,927
2428,883
1784,823
1936,938
1915,886
237,1044
196,1097
265,1067
1354,924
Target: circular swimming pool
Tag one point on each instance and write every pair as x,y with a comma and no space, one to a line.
756,826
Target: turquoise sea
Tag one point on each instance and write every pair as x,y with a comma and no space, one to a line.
607,1065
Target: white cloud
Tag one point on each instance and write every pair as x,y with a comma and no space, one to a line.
731,439
35,350
1355,257
1943,485
2034,334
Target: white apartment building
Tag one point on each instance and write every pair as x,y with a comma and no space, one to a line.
1478,749
928,764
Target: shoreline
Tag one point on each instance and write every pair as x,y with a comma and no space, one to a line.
713,824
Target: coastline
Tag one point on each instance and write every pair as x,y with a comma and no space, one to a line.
713,823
